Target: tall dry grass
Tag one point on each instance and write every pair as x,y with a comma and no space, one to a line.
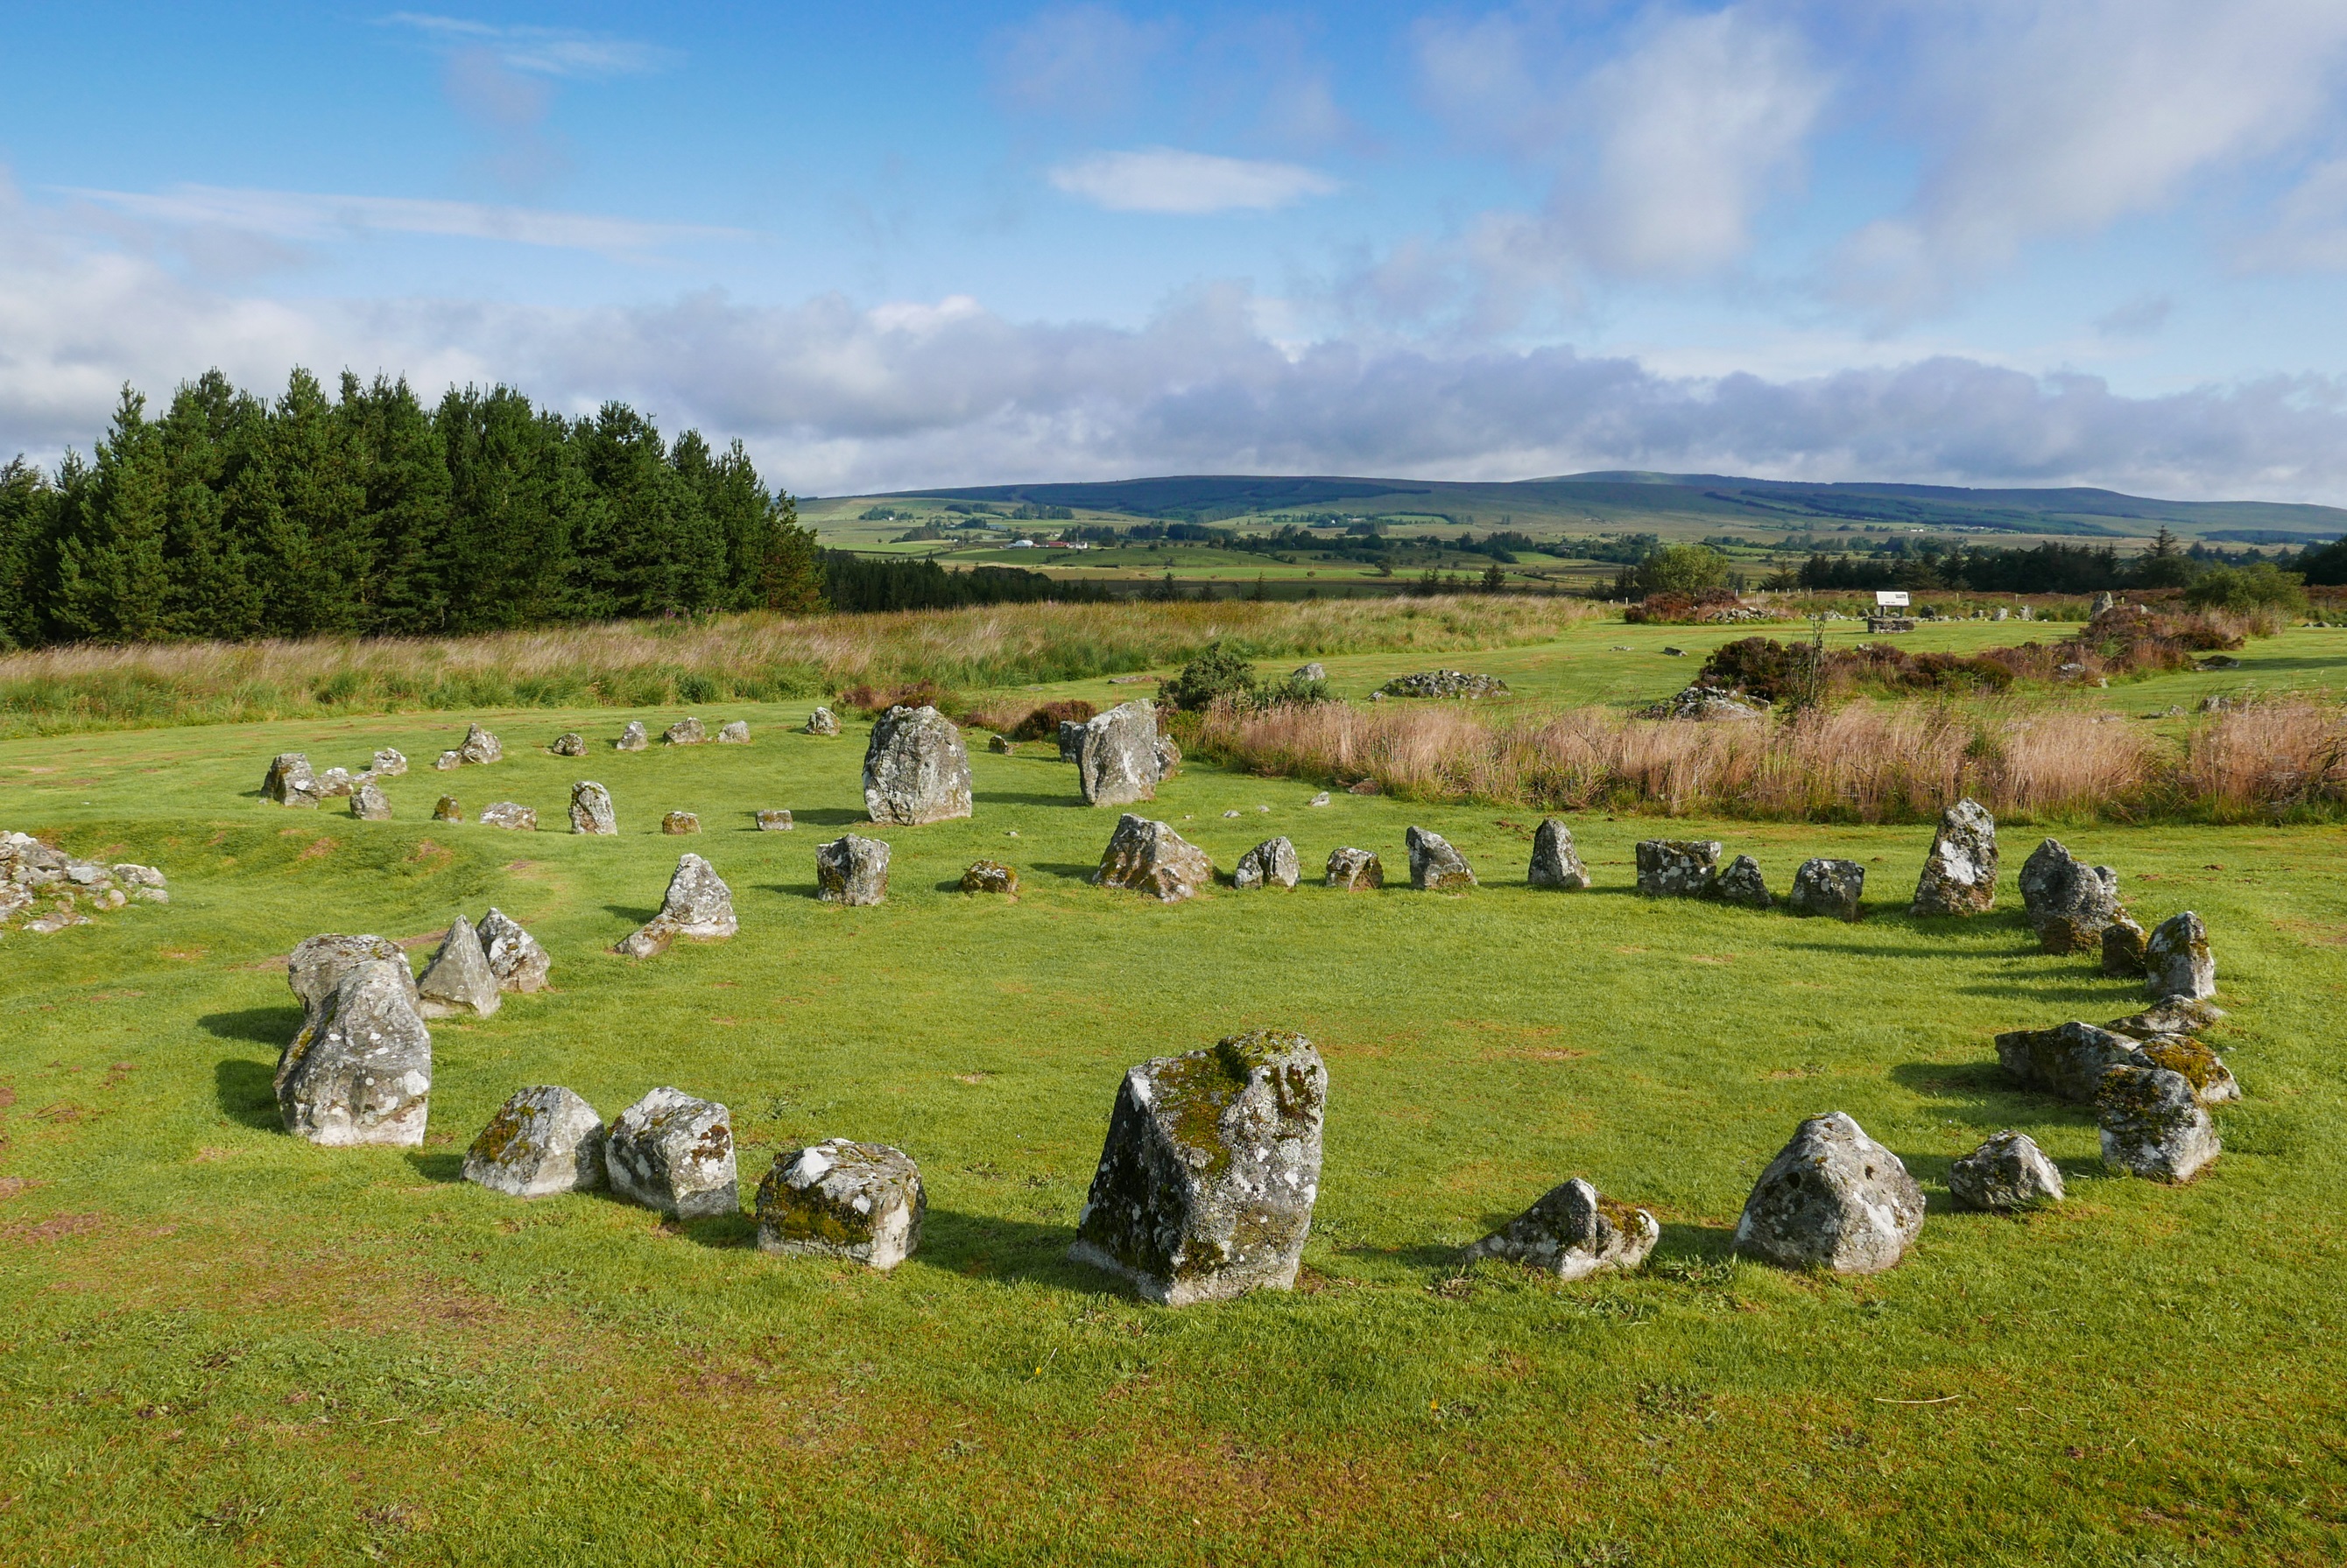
757,657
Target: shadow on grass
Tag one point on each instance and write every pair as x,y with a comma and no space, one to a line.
1066,870
794,890
1025,797
634,914
271,1027
247,1093
989,1246
1981,1094
832,816
1919,948
1686,1241
444,1166
2085,993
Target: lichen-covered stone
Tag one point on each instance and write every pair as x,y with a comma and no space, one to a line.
448,759
1169,757
698,904
2177,961
2212,1081
1150,857
568,745
458,981
520,964
674,1152
648,940
1314,671
317,965
1271,864
445,809
1210,1170
360,1071
916,769
839,1198
1739,882
1071,739
388,764
1827,887
680,822
511,815
1001,746
852,870
1555,863
684,732
1434,865
1573,1233
822,722
591,810
1352,870
2008,1171
989,876
634,738
478,748
1445,683
2069,904
2169,1015
289,780
369,803
1116,756
736,733
2123,949
2067,1060
1960,873
1833,1198
142,882
1676,868
2153,1124
774,821
543,1141
334,784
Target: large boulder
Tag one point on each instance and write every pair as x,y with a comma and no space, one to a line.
916,769
822,722
2177,961
2069,904
289,780
852,870
2008,1171
360,1071
458,981
1208,1176
514,956
1271,864
1555,863
1676,868
1828,886
2153,1124
674,1152
317,965
591,810
543,1141
1116,759
839,1198
1150,857
1573,1233
1352,870
511,815
1434,865
1960,873
634,738
2070,1061
1739,882
684,732
369,803
1833,1198
698,904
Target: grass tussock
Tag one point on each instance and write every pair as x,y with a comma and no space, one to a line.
757,657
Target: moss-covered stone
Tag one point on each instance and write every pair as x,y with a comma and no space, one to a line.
2153,1124
842,1199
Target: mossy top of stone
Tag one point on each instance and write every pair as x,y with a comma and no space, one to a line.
1197,1088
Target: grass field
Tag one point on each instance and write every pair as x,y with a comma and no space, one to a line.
224,1344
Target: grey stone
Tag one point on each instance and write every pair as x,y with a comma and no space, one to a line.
634,738
698,904
822,722
1001,746
2067,1060
478,748
1169,757
2153,1124
1676,868
142,882
387,765
369,803
989,876
1314,671
1445,683
317,967
1072,739
1555,863
774,821
2212,1081
674,1152
2177,961
1833,1198
1573,1233
1320,799
1354,870
1960,873
2103,601
1434,865
1828,887
1740,882
852,870
736,733
509,814
2008,1171
680,822
542,1141
515,957
839,1198
1150,857
916,769
2069,904
1271,864
1116,759
334,784
1209,1171
2123,949
2169,1015
360,1073
1701,702
289,780
569,744
458,981
684,732
445,809
591,810
448,759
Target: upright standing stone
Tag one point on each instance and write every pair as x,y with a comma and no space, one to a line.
736,733
2153,1124
289,780
1352,870
568,745
1434,865
1573,1233
916,769
361,1072
634,738
698,904
515,957
1150,857
445,809
1555,863
1676,868
1072,739
684,732
1169,758
822,722
2008,1171
1960,873
479,747
2177,961
1271,864
1833,1198
591,810
458,981
387,765
1116,760
1207,1179
862,1202
1741,883
543,1141
674,1152
2068,903
317,967
369,803
852,870
1828,886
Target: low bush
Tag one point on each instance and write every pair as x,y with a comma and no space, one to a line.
1043,723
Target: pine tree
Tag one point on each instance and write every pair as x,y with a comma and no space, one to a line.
28,518
210,431
111,577
403,487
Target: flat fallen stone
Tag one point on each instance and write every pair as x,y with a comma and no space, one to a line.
774,821
678,821
989,876
2069,904
822,722
591,810
369,803
1740,882
2177,961
684,732
509,814
514,956
2067,1060
445,809
1676,868
1827,887
458,981
1434,865
1320,799
839,1198
289,780
1116,756
852,870
1352,870
361,1072
1555,863
1834,1199
2123,955
736,733
568,745
2169,1015
543,1141
1149,857
1959,872
1271,864
916,769
317,965
674,1152
2153,1124
2008,1171
387,763
1573,1233
634,738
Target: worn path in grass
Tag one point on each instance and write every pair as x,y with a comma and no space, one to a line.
224,1345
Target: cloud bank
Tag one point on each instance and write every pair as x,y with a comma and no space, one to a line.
1166,179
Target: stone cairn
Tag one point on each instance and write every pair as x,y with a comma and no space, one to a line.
32,874
698,904
916,769
861,1201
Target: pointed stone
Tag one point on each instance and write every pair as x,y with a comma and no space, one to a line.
289,780
369,803
822,722
1434,865
632,738
1573,1233
1740,882
387,765
515,957
458,981
2177,961
541,1142
1555,863
2008,1171
1959,872
1149,857
1271,864
445,809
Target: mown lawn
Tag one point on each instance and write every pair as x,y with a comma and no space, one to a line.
224,1344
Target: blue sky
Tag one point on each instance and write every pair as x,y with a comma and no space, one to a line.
2033,241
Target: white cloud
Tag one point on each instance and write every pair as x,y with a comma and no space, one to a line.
542,51
1166,179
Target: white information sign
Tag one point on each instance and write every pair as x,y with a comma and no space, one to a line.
1890,599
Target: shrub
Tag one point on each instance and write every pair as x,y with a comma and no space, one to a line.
870,701
1220,673
1682,569
2260,585
1043,723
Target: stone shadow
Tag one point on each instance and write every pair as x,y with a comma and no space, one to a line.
273,1027
442,1165
1982,1095
633,913
991,1247
1071,871
834,816
1692,1241
1031,797
792,889
247,1093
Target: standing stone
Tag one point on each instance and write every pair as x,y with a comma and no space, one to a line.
591,810
2008,1171
679,822
822,722
2068,903
2103,603
458,981
1211,1166
698,904
445,809
1555,863
334,783
852,871
1434,865
1834,1198
736,733
479,747
289,780
1150,857
1072,739
1116,759
362,1071
1960,873
369,803
774,821
569,744
1742,884
1573,1233
515,957
2153,1124
2123,949
1271,864
543,1141
1169,757
634,738
862,1202
989,876
2177,961
675,1154
387,765
1354,870
1827,887
684,732
316,968
916,769
1676,868
509,814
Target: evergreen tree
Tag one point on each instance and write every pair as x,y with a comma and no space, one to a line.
28,516
210,431
404,506
111,574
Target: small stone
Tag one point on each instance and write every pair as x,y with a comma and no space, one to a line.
591,810
1271,864
1700,702
648,940
2177,961
387,765
774,821
543,1141
2123,949
1573,1233
447,810
1149,857
2008,1171
1316,670
509,814
334,783
1960,873
2212,1081
458,981
1232,813
916,769
822,722
698,904
736,733
1320,799
143,882
852,870
1555,863
2069,904
1434,865
1676,868
1116,759
369,803
448,759
569,744
678,821
1833,1198
862,1202
674,1152
684,732
989,876
520,964
2153,1124
634,738
1828,886
289,780
1740,882
1354,870
360,1073
1001,746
